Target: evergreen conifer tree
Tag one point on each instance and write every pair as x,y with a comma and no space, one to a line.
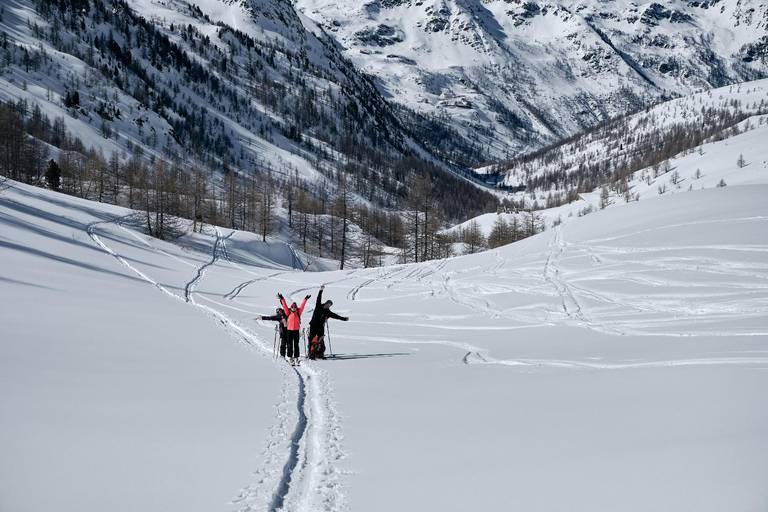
53,175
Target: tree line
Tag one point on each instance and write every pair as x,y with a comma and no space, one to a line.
327,218
626,146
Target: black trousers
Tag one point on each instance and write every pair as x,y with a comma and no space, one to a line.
293,344
315,330
283,341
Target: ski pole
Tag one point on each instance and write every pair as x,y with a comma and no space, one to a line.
330,347
274,346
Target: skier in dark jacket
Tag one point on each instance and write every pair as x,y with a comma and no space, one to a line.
282,322
320,315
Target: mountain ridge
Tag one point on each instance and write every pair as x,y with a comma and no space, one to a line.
558,67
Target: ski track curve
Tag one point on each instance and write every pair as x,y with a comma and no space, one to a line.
681,306
479,356
569,299
382,274
200,271
309,478
354,291
90,230
242,286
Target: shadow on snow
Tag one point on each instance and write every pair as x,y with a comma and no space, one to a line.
343,357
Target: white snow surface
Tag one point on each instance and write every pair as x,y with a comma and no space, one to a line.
616,362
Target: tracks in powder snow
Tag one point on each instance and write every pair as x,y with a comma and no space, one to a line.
572,276
200,272
299,465
571,305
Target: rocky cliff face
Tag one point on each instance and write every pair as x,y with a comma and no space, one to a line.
537,71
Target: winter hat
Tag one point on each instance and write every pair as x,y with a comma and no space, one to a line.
328,303
294,305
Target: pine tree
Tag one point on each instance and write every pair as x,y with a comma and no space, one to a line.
266,207
604,197
53,175
342,208
473,237
500,233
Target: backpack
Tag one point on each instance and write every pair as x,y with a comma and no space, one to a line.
316,348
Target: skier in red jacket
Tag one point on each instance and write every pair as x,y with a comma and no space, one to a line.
294,326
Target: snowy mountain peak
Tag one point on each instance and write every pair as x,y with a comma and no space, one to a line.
536,71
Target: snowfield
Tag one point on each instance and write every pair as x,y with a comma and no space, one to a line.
616,362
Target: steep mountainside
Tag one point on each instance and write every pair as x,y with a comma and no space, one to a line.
248,87
533,72
610,154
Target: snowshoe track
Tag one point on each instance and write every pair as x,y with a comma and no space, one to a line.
309,478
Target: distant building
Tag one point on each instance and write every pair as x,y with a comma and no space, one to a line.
506,209
461,102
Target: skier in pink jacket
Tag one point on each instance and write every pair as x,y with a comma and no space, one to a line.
294,326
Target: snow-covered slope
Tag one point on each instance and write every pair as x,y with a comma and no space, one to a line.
615,362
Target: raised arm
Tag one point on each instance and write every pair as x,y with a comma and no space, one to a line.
303,303
283,303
